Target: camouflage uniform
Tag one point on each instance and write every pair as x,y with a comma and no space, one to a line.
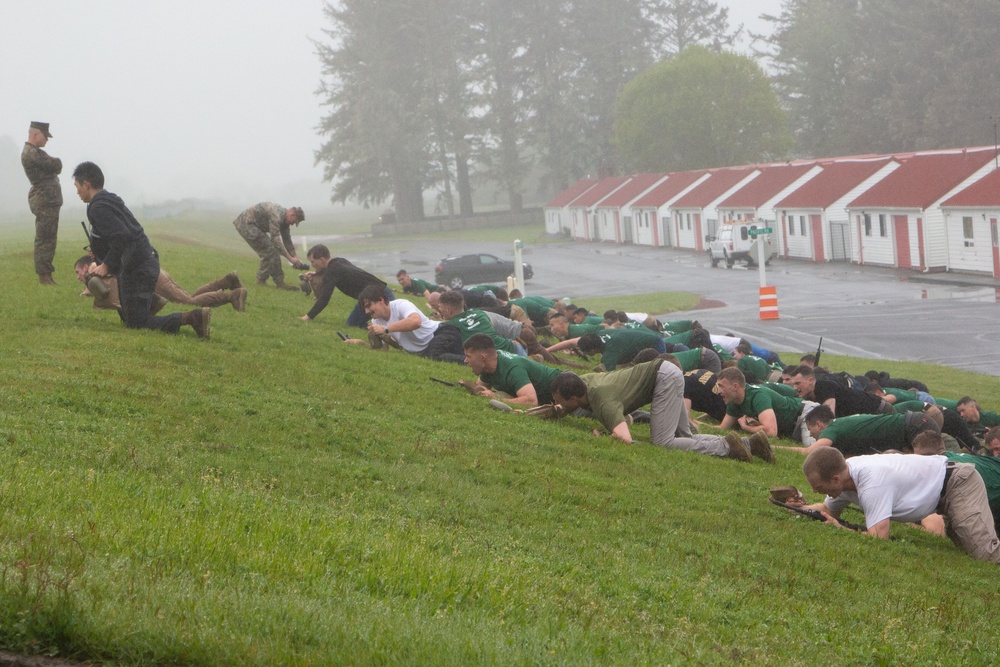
263,226
216,293
44,199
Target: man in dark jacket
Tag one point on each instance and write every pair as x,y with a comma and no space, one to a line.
121,249
338,273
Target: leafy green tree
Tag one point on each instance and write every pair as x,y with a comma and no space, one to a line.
701,109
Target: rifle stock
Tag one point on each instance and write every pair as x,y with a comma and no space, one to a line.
819,350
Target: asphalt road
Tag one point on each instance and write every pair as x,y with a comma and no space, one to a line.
859,311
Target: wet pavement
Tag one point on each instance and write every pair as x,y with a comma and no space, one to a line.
870,312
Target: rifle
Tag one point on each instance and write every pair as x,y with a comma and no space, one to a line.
468,386
813,514
819,350
90,241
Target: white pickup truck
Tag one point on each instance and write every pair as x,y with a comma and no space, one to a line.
735,243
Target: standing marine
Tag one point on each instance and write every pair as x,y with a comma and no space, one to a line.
44,197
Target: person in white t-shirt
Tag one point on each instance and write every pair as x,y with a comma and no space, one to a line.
907,488
399,323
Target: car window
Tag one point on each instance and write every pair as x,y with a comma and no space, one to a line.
744,233
488,259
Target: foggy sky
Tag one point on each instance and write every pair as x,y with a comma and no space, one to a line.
210,99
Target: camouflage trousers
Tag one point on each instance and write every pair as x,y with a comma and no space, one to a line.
46,228
267,250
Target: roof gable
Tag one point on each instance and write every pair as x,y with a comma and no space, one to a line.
599,191
985,192
714,187
767,185
670,188
923,179
571,193
836,180
635,187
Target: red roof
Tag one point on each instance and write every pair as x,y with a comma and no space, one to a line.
571,193
766,186
984,192
599,191
713,187
923,179
835,181
635,187
669,188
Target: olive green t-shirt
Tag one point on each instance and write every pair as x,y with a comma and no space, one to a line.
613,395
622,344
472,322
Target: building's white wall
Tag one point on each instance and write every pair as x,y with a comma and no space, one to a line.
975,254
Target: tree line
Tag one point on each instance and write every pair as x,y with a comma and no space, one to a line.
527,96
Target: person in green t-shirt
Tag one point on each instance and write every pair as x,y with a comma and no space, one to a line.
470,322
611,396
755,369
754,408
857,435
528,381
614,345
539,309
584,316
563,329
979,420
415,286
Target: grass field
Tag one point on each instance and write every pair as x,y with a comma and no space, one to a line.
274,496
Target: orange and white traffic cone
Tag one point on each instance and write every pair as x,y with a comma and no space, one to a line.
768,303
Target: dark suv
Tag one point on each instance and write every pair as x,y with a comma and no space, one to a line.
456,272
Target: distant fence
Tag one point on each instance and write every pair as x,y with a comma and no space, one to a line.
532,216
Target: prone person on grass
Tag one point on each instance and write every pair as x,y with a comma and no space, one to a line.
978,419
930,443
906,488
754,408
398,323
611,396
527,381
858,435
226,289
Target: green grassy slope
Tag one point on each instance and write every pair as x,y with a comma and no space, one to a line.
274,496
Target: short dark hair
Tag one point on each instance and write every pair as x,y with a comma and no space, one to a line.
928,441
501,294
401,272
967,400
808,359
821,413
88,172
744,348
611,315
581,311
803,370
319,251
590,343
86,260
371,294
516,294
568,385
479,343
454,299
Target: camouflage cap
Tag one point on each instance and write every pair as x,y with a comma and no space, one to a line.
42,127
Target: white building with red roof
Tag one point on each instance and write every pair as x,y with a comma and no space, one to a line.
614,212
899,221
583,218
696,212
651,213
813,218
970,220
557,216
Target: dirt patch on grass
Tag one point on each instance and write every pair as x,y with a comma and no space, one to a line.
705,304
